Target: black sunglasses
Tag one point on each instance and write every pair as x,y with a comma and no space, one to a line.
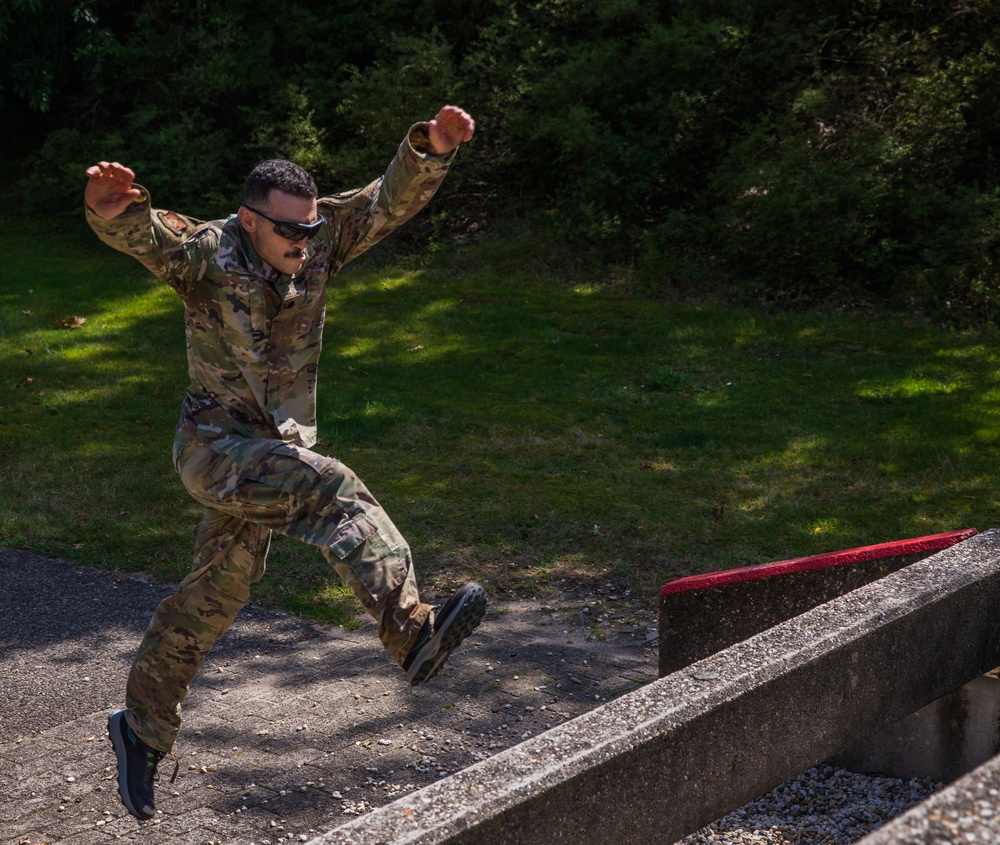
289,230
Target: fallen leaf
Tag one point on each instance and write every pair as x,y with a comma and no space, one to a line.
69,322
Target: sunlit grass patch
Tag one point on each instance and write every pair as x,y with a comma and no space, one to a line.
910,387
521,424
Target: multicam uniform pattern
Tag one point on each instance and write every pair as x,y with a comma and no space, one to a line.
249,417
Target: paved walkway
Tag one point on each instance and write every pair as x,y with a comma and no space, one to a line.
290,729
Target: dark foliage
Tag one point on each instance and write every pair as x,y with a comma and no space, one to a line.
801,151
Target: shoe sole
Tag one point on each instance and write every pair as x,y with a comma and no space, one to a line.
463,620
116,735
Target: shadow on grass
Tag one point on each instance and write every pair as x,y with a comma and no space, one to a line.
673,438
519,430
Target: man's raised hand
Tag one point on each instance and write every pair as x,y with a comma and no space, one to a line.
109,189
450,128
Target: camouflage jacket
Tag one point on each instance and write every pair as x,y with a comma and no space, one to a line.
254,334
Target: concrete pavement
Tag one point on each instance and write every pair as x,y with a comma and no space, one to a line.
291,728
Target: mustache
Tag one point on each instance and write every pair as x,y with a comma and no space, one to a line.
298,252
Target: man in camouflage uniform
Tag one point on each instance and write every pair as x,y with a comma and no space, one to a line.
254,290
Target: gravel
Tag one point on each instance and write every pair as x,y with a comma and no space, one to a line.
823,806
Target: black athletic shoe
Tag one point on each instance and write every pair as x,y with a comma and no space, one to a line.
453,622
137,764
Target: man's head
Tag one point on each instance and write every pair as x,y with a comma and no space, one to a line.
279,213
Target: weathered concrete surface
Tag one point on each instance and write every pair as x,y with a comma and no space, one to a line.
942,741
966,813
702,614
290,728
662,761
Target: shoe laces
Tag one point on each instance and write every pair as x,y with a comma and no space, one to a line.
156,756
177,765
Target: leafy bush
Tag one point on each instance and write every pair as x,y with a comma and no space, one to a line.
802,151
870,181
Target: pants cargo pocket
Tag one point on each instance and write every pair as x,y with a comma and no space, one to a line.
375,567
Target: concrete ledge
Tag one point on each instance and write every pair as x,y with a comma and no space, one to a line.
703,614
967,812
661,762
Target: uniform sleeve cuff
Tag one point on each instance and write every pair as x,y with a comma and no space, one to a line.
419,138
139,205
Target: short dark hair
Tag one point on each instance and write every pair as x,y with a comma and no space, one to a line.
277,173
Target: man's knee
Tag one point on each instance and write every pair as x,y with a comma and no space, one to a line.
197,466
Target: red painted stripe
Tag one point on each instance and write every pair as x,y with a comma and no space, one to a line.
931,543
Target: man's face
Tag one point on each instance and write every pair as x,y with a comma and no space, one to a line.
285,255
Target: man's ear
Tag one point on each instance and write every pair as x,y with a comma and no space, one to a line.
247,219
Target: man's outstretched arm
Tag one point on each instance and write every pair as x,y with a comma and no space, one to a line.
119,212
368,215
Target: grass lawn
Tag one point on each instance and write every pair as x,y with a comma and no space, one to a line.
522,422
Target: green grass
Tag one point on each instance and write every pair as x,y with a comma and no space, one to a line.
522,424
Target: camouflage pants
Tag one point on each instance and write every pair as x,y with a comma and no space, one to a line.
251,487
